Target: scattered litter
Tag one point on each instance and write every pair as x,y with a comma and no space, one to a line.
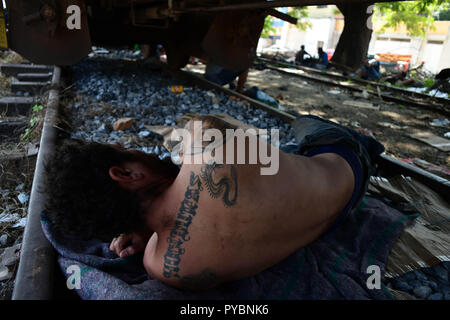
3,239
440,122
23,197
4,193
144,134
215,100
391,125
255,93
20,187
427,166
334,92
32,149
447,134
432,140
98,50
10,256
360,104
21,224
365,94
435,93
5,274
177,89
8,218
356,124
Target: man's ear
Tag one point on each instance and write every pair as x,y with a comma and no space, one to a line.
121,174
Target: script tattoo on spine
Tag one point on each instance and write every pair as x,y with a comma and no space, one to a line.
224,185
180,233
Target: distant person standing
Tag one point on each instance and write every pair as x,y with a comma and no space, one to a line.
322,63
300,56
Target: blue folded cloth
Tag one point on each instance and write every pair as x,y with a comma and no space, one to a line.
335,266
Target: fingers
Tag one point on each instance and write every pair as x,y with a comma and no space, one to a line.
111,246
129,251
127,244
118,244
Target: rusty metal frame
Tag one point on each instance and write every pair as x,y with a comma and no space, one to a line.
274,4
134,23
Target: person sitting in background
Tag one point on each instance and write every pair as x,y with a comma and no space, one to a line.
370,70
300,56
322,63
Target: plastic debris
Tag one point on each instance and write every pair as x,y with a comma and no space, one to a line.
8,218
23,197
365,94
255,93
440,122
3,239
5,274
21,224
177,89
143,134
391,125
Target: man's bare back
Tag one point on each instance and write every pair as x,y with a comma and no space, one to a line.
226,221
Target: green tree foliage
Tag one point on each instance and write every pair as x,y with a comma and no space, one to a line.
417,16
301,13
268,27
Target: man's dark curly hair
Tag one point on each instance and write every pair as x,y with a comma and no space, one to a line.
83,201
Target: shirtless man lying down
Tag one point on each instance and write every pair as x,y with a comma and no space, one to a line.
207,223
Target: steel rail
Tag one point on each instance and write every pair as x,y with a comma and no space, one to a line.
442,109
361,81
35,275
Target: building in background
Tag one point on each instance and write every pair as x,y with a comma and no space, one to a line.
326,28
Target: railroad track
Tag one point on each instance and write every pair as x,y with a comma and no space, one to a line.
35,269
36,278
388,93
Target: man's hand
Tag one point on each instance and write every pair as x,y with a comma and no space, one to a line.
129,244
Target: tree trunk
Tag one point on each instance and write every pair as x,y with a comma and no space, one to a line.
355,38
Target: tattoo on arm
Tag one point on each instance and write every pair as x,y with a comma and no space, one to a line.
180,233
204,280
225,185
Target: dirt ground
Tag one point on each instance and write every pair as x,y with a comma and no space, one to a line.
390,125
